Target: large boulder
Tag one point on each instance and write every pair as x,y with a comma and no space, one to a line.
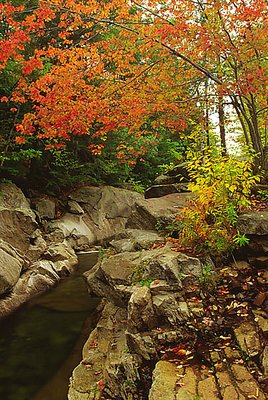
135,239
114,276
163,190
153,212
104,212
253,223
11,264
17,220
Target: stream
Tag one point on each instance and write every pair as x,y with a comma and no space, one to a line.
41,343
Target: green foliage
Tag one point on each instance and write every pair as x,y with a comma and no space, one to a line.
240,239
146,281
208,278
221,187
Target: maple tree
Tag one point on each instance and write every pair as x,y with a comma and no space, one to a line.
89,69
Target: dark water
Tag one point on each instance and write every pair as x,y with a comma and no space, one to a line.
42,342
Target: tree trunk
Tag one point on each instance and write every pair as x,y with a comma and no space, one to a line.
222,125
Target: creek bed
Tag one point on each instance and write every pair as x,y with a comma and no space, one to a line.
41,343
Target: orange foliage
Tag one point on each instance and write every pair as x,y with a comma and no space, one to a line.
100,66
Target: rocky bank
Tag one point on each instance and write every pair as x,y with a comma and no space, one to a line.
39,239
170,325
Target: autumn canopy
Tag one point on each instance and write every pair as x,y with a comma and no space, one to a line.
88,68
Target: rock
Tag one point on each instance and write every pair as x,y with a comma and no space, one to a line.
56,236
164,382
30,284
110,277
143,345
247,386
188,390
38,245
46,267
135,239
258,245
166,308
17,220
61,252
73,227
172,266
166,180
165,189
159,286
240,265
123,245
13,198
105,360
134,267
140,309
264,361
181,171
253,223
45,208
207,388
258,262
149,213
11,264
75,208
248,339
106,211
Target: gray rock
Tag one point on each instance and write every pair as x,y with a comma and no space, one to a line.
61,252
166,308
142,345
37,247
123,245
143,239
75,208
258,245
253,223
56,236
17,220
160,190
164,190
106,357
45,208
74,226
261,320
159,286
30,284
11,263
166,180
147,213
46,267
13,198
134,267
140,309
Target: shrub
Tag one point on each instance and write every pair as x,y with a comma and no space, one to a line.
221,188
